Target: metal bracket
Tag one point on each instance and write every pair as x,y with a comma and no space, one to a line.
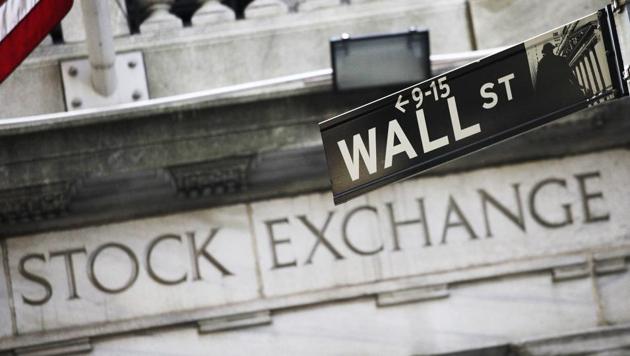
80,94
618,5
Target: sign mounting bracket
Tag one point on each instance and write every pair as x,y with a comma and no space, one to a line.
79,93
618,5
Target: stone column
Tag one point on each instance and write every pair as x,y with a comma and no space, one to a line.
212,11
262,8
160,17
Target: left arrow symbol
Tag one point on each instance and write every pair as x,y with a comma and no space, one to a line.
401,103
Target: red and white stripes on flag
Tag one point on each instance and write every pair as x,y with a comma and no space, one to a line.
23,25
12,12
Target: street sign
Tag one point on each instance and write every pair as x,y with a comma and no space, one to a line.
23,25
446,117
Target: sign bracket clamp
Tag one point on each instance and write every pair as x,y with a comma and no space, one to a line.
618,5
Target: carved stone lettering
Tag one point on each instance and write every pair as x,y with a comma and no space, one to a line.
206,258
192,260
515,208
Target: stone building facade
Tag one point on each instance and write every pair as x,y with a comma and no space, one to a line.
196,218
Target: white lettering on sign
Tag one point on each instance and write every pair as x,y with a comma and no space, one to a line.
506,81
439,89
427,144
353,163
460,133
396,132
487,93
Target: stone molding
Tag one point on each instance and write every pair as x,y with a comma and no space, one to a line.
287,157
608,340
232,322
412,295
57,348
211,178
35,203
241,314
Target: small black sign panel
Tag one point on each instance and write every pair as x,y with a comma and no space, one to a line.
500,96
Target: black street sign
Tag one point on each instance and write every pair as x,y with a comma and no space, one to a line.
446,117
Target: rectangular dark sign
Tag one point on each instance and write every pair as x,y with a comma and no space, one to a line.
500,96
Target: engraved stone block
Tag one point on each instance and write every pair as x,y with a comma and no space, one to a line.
429,225
128,270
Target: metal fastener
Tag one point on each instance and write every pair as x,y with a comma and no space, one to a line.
136,95
73,71
132,64
76,102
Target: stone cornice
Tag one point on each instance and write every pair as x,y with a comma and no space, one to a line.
278,137
34,203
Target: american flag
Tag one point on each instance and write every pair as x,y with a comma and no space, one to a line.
23,25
